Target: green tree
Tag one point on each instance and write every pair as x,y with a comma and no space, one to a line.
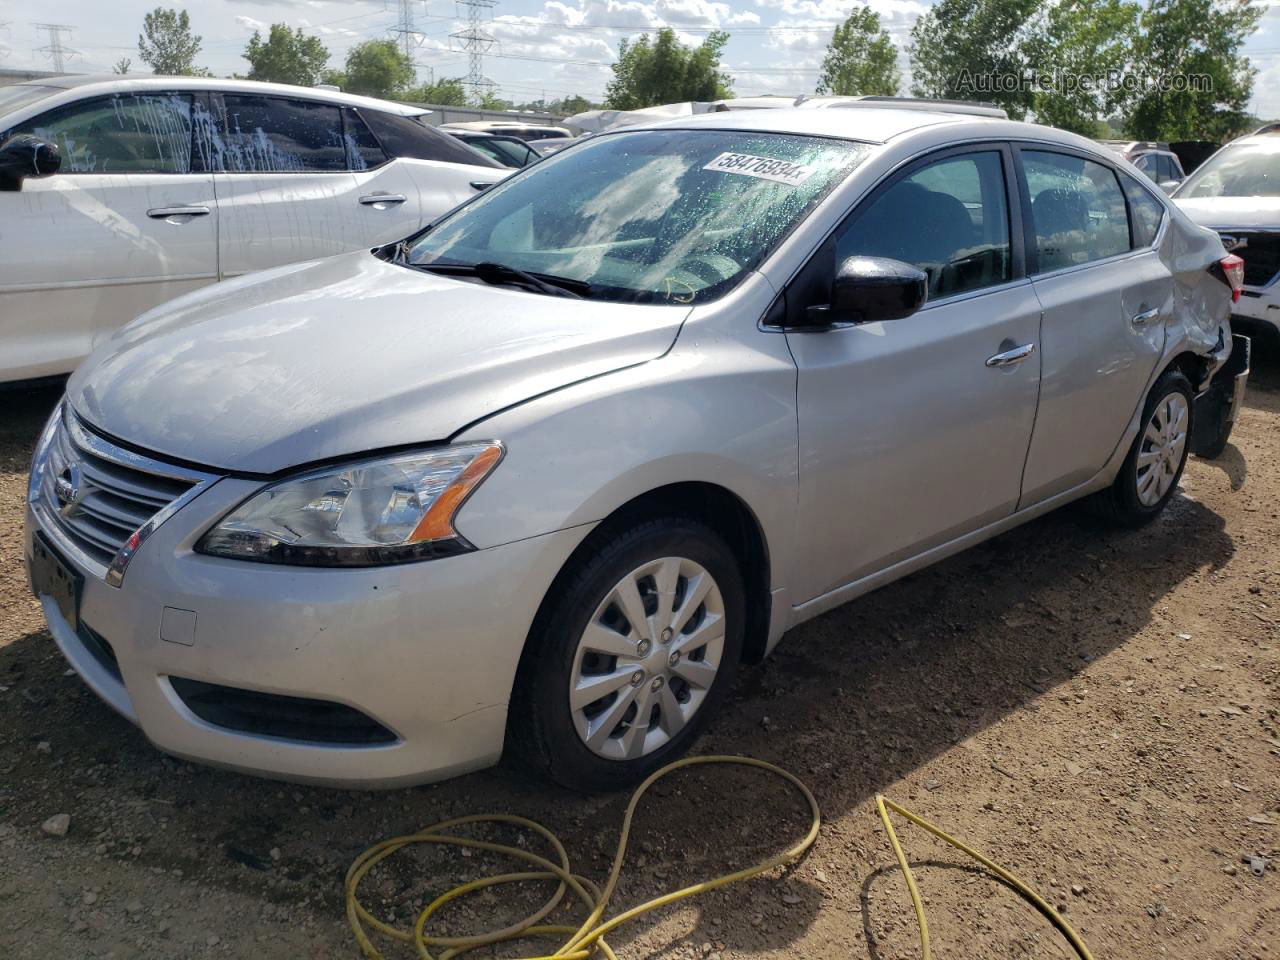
570,105
448,92
286,56
975,50
1198,81
1077,47
167,44
664,70
377,68
491,100
860,58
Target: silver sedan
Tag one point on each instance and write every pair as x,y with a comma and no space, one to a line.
537,480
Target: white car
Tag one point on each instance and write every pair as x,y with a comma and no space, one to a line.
169,183
1237,193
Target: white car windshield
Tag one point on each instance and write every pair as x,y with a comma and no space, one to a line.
1244,170
652,216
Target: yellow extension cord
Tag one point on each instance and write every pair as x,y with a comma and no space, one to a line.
582,941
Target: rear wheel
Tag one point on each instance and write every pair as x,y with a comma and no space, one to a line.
1151,471
634,652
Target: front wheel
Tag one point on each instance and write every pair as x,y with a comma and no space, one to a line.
632,655
1151,471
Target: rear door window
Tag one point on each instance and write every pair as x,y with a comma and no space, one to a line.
363,150
275,135
1077,208
1145,212
127,133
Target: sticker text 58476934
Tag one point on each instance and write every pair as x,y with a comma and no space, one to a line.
765,168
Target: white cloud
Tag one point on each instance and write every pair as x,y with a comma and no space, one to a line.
249,24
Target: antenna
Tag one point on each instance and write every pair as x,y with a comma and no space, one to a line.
477,43
411,37
54,48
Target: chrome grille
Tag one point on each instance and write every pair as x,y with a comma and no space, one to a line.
104,500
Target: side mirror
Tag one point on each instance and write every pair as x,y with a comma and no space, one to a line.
1168,186
871,289
25,156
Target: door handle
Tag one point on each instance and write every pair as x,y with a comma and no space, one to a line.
1009,357
1145,317
381,201
168,213
481,184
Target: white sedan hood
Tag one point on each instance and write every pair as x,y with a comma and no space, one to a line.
335,357
1232,212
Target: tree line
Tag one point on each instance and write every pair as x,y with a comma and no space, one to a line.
1147,69
374,68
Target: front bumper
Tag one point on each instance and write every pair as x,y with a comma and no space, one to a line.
427,650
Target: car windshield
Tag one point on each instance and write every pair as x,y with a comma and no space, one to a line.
653,216
19,95
1244,170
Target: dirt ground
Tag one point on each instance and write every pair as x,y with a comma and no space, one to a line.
1097,710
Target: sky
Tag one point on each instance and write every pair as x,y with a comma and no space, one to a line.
545,48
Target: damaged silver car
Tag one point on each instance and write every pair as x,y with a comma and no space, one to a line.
537,479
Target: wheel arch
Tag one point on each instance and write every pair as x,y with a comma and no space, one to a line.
719,508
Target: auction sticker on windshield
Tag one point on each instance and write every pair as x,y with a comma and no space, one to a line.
766,168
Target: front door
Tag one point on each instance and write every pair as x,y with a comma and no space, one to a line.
124,226
914,432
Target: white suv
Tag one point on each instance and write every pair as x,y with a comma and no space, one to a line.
169,183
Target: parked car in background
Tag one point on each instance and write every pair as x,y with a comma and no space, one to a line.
547,147
1156,160
166,184
1237,193
510,128
508,151
621,422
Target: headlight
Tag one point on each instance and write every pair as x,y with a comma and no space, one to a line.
391,510
41,454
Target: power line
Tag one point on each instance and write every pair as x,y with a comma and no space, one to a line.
55,49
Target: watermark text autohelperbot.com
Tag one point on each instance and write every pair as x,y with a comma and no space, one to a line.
1065,81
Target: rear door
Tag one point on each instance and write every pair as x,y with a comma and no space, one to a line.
128,223
1106,296
285,192
388,197
446,171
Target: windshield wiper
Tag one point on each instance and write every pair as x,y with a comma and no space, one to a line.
499,273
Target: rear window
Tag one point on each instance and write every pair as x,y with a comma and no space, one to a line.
408,137
274,135
19,95
363,149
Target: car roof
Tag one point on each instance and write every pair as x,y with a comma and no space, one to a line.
871,123
106,83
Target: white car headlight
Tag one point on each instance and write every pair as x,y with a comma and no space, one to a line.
390,510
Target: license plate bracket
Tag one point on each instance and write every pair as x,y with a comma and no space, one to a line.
53,577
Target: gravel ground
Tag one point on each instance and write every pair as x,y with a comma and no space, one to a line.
1097,710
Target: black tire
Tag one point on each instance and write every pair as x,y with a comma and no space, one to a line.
1120,502
541,734
1213,429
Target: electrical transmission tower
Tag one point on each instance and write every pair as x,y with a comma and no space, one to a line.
477,42
55,49
406,28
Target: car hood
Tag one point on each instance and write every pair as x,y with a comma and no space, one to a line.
1232,212
334,357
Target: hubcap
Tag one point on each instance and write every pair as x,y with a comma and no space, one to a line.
664,623
1164,441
